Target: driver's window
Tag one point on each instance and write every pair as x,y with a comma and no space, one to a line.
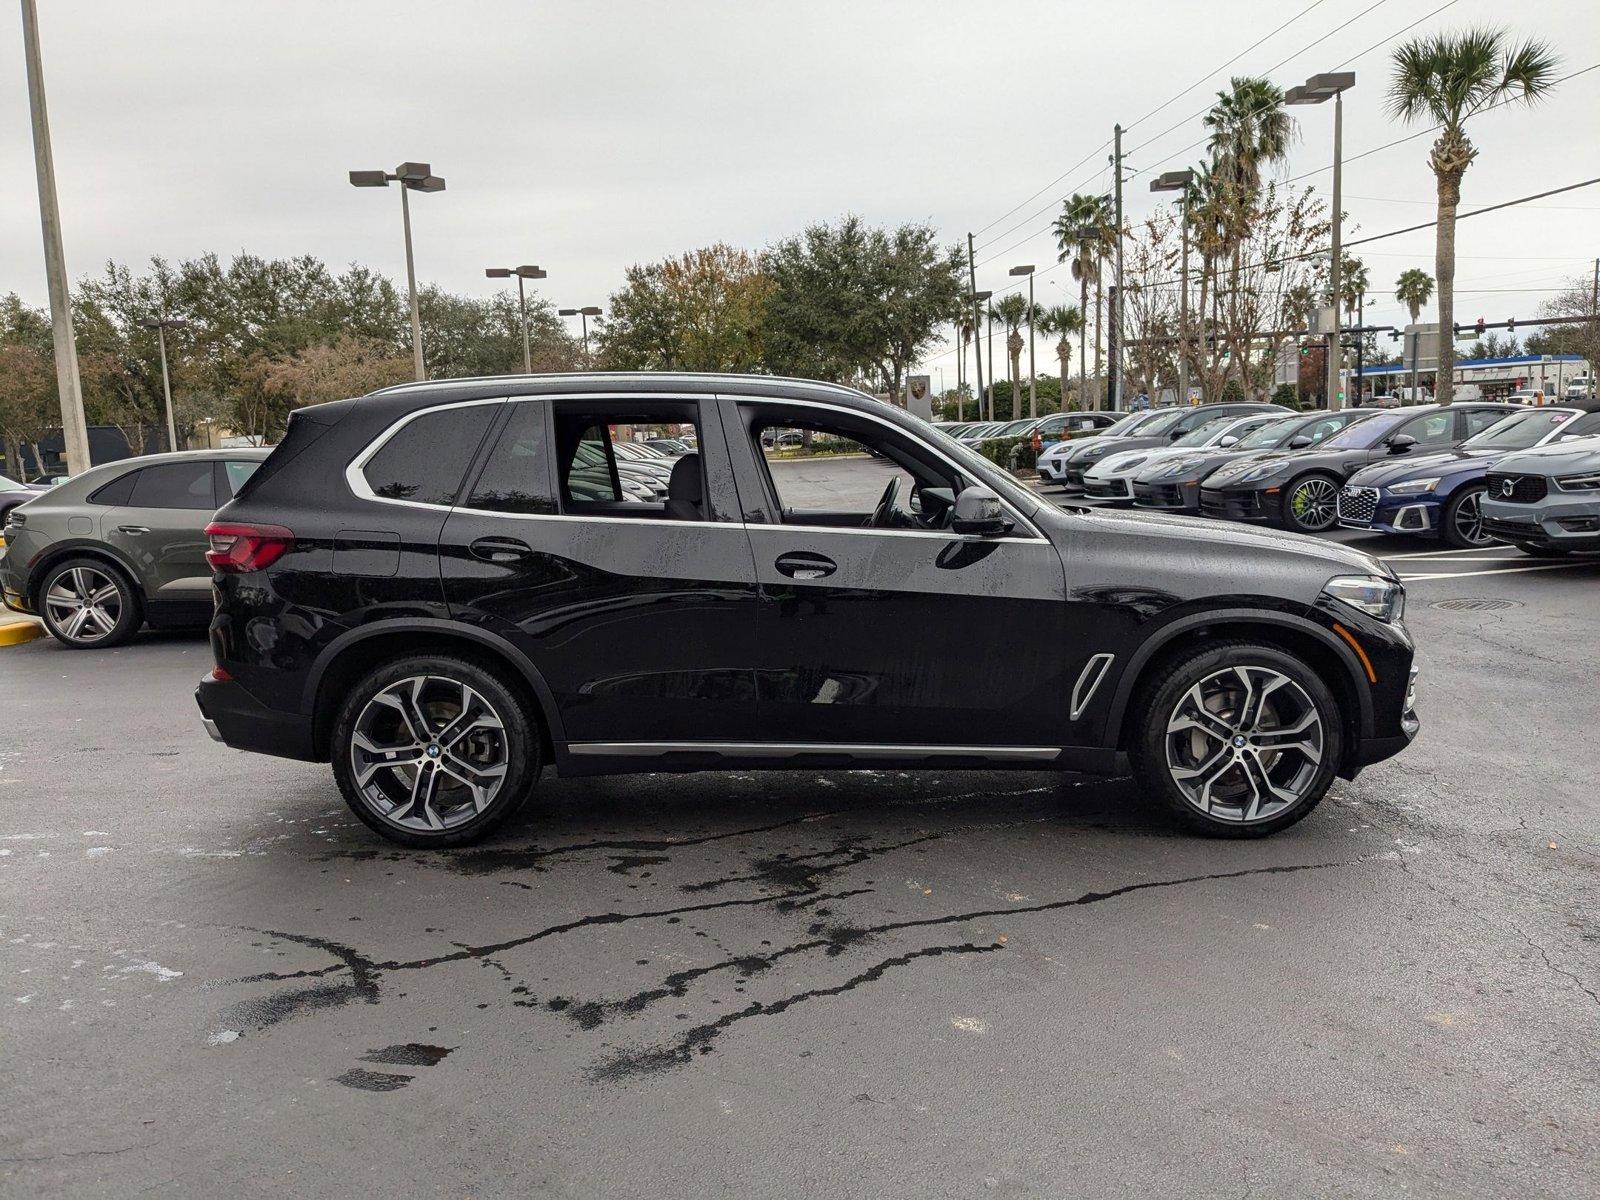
1435,429
833,475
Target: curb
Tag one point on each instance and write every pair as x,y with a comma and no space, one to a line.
19,630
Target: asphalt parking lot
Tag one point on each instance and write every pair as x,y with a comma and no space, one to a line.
843,984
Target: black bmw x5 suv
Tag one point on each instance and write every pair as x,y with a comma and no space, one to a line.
436,589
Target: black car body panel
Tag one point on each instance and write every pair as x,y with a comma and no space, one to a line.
652,642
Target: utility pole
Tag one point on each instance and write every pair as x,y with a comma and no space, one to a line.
1335,345
1594,313
977,322
1116,307
74,427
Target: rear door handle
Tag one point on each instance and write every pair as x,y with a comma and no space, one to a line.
501,550
134,529
803,565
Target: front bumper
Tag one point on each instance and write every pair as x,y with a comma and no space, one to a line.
1561,520
1240,504
1119,488
1373,510
1050,470
1182,496
235,718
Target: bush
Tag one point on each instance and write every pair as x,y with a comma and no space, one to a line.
1233,392
1287,395
1011,454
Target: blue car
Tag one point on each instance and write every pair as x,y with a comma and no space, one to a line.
1438,495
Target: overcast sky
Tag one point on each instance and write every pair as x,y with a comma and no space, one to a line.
588,136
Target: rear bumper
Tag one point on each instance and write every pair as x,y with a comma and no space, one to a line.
235,718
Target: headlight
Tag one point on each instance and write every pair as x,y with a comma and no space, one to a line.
1259,473
1128,464
1372,594
1579,483
1182,465
1412,486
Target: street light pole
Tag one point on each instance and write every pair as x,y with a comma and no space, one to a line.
74,426
522,273
1033,387
592,310
1116,360
1174,181
412,177
1331,85
977,325
161,326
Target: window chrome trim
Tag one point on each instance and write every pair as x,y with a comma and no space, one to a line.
790,749
779,401
1089,680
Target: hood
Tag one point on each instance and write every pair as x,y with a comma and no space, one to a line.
1114,445
1565,458
1122,462
1206,461
1405,466
1338,558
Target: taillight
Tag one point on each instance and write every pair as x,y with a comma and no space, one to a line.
240,548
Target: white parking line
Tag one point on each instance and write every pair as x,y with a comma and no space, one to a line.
1445,553
1507,571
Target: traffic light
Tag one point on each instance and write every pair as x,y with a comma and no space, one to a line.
1511,325
1304,350
1480,327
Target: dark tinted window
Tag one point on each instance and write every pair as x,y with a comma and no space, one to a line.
1585,426
1479,419
514,479
175,485
118,491
1434,429
425,459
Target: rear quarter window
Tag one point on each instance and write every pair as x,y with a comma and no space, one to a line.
426,459
175,485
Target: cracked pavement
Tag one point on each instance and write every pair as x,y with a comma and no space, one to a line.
837,983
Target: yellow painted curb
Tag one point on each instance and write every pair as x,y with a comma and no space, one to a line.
14,633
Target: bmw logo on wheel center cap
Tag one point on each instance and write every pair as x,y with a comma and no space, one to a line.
433,751
1239,740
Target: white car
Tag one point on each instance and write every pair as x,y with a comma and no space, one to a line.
1112,477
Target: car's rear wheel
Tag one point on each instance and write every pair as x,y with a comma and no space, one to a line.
434,751
1311,504
1463,520
1238,740
87,603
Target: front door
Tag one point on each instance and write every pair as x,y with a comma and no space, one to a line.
878,626
637,610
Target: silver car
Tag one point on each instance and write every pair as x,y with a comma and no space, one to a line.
120,545
1546,501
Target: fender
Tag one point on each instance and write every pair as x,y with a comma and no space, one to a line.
1240,616
472,633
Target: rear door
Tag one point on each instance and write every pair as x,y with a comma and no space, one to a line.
875,629
161,530
639,615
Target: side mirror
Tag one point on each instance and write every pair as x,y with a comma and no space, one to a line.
1401,443
1176,434
1228,439
1299,442
978,512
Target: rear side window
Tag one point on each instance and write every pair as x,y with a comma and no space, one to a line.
175,485
1585,426
235,473
515,478
425,459
1435,429
1480,419
118,491
590,476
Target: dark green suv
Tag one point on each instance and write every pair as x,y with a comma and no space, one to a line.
123,544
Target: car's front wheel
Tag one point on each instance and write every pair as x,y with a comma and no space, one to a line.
1311,504
1239,740
1463,520
89,604
434,751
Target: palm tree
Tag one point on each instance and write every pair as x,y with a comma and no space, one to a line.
1083,232
1062,320
1447,78
966,322
1012,311
1413,289
1353,283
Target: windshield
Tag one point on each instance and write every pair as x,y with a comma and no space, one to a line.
10,485
1517,432
1267,436
1364,435
1013,428
1162,423
1202,435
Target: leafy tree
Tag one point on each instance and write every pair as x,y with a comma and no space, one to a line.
28,399
702,311
1061,321
854,302
1448,78
1582,337
1413,289
468,338
351,365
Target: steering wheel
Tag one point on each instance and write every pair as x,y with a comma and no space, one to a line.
883,515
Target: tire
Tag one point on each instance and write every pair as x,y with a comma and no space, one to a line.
1464,510
1530,549
1194,764
485,769
113,614
1319,493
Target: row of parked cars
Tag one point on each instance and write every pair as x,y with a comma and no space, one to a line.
1469,473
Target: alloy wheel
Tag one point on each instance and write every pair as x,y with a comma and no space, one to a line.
1244,744
1312,503
428,754
84,604
1469,520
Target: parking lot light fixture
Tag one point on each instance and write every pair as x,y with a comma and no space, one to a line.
1180,181
590,310
1331,85
161,325
418,177
522,273
1033,390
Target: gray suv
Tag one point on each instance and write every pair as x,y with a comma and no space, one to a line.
121,545
1546,501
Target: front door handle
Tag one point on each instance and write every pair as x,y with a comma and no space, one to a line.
501,550
803,565
133,529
